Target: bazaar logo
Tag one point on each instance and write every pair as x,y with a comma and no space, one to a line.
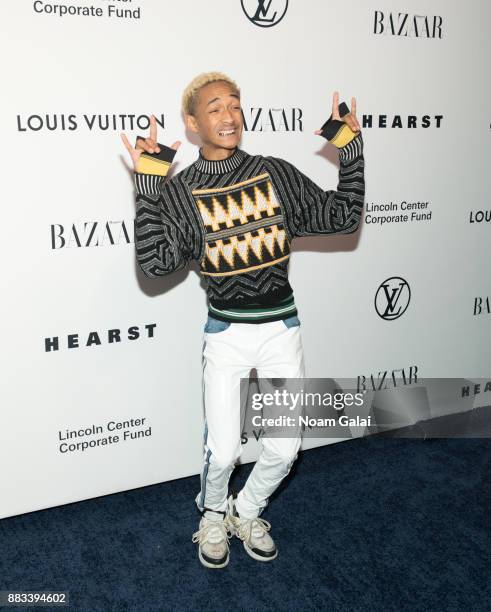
387,379
92,233
482,305
259,119
392,298
405,24
264,13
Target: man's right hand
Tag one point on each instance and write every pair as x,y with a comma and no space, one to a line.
149,145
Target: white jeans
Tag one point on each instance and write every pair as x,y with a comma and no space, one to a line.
230,351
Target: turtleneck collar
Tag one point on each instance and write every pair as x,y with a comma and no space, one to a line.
220,166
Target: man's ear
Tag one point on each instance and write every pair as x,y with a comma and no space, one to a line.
191,123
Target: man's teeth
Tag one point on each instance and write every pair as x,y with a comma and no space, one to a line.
226,132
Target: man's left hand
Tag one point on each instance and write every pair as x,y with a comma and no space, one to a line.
350,118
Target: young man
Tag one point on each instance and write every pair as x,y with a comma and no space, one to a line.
237,214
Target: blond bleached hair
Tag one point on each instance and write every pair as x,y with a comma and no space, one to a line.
190,94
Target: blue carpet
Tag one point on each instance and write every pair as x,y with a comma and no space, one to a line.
370,524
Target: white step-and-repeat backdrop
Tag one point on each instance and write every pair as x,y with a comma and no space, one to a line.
101,366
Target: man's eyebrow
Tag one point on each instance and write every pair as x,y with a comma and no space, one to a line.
218,98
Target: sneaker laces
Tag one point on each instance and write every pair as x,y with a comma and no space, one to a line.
212,532
256,527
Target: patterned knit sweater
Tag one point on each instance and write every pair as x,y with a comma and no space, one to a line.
238,218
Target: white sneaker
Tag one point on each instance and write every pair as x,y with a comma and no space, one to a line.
213,536
253,532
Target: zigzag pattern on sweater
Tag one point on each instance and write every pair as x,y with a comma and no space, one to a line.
244,227
248,285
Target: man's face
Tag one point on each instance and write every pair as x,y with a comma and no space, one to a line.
218,116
